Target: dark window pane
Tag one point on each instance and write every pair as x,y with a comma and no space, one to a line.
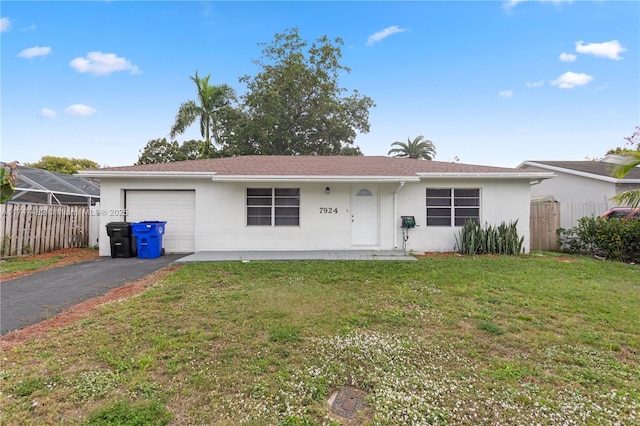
287,201
258,192
438,201
259,211
287,211
259,201
474,193
259,221
467,202
467,212
439,212
287,221
440,193
287,192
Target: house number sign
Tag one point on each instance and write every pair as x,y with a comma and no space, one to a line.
328,210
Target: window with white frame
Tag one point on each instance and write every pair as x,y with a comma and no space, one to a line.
452,206
273,206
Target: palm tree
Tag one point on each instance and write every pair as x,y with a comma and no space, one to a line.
630,198
212,100
418,148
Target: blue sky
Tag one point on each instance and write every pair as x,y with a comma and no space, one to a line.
493,83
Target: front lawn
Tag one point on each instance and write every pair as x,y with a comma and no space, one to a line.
449,340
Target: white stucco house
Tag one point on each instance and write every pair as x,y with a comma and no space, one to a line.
312,202
583,188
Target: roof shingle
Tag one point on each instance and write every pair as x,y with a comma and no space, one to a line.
599,168
283,165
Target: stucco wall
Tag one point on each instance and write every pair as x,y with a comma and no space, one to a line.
567,188
500,200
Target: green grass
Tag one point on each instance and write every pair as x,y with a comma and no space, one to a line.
459,340
17,264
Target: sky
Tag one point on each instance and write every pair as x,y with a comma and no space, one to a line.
488,82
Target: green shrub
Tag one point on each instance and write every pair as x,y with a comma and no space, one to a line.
502,239
615,239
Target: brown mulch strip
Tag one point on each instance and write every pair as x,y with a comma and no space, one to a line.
69,256
81,310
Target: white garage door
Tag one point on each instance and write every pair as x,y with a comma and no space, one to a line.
177,208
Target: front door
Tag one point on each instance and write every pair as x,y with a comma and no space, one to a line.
364,215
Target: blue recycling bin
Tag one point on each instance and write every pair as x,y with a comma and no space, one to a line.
148,238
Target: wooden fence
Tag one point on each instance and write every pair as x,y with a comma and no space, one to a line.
36,228
544,222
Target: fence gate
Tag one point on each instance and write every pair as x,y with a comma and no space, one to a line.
38,228
544,222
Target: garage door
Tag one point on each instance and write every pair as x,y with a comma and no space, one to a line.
177,208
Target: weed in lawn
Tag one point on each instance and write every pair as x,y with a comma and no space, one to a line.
490,328
29,386
124,413
284,334
94,383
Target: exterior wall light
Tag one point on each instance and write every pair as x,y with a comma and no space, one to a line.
327,190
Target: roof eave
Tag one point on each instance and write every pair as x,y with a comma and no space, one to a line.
610,179
298,178
143,174
489,175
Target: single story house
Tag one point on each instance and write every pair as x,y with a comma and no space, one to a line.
312,202
583,188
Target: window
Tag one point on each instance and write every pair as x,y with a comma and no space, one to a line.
452,207
273,206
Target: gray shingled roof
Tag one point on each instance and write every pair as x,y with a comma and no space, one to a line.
599,168
283,165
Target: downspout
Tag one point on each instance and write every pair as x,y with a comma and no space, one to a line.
395,215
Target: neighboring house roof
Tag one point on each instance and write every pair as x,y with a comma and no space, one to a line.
32,186
254,167
600,170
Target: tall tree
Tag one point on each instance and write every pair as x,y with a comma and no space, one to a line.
295,105
210,109
631,197
163,151
66,165
419,147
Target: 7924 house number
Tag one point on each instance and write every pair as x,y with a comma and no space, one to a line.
328,210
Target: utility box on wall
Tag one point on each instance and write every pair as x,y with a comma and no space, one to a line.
408,222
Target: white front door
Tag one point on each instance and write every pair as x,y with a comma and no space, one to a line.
364,215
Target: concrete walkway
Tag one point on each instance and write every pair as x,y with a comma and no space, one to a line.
248,256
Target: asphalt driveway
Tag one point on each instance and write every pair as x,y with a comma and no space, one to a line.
28,300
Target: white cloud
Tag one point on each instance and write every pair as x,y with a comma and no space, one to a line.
608,49
374,38
99,63
47,113
32,52
510,4
535,84
79,109
568,57
506,94
5,24
569,80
